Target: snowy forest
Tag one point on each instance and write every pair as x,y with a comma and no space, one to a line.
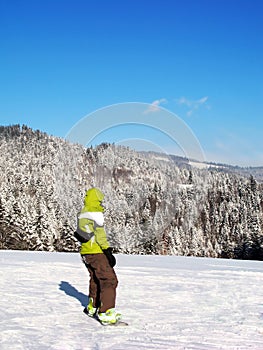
155,203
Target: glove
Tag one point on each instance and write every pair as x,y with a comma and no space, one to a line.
110,256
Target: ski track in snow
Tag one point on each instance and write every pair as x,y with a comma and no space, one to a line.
169,303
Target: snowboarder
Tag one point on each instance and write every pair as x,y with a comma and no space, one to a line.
97,256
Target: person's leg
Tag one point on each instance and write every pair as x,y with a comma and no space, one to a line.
108,284
103,281
94,288
105,278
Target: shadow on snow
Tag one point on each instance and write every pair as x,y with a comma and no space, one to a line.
68,289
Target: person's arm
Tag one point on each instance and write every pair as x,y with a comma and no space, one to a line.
101,238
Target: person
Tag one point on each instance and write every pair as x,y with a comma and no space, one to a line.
97,256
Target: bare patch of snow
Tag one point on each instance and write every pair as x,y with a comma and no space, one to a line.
199,165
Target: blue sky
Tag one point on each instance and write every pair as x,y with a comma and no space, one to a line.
200,59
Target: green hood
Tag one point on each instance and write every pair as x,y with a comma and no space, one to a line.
93,199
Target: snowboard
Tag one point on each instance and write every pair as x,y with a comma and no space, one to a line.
119,323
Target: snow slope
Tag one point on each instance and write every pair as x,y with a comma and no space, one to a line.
169,302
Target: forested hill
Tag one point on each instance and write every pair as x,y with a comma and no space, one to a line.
154,205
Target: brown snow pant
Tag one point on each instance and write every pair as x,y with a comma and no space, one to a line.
103,281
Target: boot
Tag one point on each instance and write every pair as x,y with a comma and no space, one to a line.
90,310
109,317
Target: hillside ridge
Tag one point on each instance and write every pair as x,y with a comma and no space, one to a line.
154,206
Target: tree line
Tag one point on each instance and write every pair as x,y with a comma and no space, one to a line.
154,205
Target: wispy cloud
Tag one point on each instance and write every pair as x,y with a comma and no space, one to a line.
233,148
155,106
193,105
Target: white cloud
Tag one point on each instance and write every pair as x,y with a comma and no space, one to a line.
202,100
154,106
193,105
232,148
184,101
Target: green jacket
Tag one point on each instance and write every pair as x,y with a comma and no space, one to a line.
91,220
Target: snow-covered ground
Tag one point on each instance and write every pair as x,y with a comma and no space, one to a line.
169,302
